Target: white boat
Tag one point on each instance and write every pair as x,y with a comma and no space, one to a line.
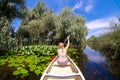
68,72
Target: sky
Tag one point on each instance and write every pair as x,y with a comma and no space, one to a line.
98,13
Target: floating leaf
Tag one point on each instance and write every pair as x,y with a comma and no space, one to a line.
24,71
32,67
19,68
17,72
37,72
40,67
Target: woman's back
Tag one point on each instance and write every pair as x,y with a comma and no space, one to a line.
62,60
62,55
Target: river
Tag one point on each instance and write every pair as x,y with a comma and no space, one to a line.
97,67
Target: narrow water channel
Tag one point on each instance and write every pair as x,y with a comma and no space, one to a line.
97,67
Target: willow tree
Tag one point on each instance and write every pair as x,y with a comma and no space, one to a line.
26,15
39,10
62,22
11,8
38,21
69,23
43,23
7,40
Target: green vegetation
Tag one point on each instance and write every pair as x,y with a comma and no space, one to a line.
34,59
35,50
109,42
38,59
7,39
39,26
28,50
10,9
47,26
109,45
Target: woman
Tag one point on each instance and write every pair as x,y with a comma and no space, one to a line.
62,60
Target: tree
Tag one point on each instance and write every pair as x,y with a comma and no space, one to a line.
7,40
11,8
39,10
39,21
26,15
62,22
69,23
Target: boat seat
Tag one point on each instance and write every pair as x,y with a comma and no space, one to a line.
60,79
56,63
61,70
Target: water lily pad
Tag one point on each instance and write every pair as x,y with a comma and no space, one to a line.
32,67
37,72
17,72
24,71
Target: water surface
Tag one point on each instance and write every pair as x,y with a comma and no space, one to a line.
96,67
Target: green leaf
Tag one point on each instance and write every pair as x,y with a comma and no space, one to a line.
32,67
39,67
17,72
24,71
37,72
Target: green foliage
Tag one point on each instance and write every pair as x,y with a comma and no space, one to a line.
69,23
21,71
23,32
37,72
39,10
11,8
53,27
109,42
7,40
35,50
3,61
25,64
36,62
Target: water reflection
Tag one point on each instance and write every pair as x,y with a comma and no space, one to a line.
94,56
97,68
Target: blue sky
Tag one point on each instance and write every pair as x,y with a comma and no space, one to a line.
98,13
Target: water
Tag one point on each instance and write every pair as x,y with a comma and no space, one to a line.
93,65
97,67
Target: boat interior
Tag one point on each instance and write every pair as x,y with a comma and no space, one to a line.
67,72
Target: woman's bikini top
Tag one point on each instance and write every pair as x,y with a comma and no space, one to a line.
62,55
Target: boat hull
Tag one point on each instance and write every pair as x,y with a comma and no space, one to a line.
68,72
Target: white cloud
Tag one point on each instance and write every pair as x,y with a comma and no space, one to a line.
88,8
99,23
99,26
78,5
86,5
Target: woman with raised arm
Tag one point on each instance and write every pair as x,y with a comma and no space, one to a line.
62,60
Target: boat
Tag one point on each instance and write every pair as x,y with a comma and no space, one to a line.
68,72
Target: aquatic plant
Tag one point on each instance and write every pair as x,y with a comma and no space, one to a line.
29,59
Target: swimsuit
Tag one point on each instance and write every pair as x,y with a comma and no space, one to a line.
62,59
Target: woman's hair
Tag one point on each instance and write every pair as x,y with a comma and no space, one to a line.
61,44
